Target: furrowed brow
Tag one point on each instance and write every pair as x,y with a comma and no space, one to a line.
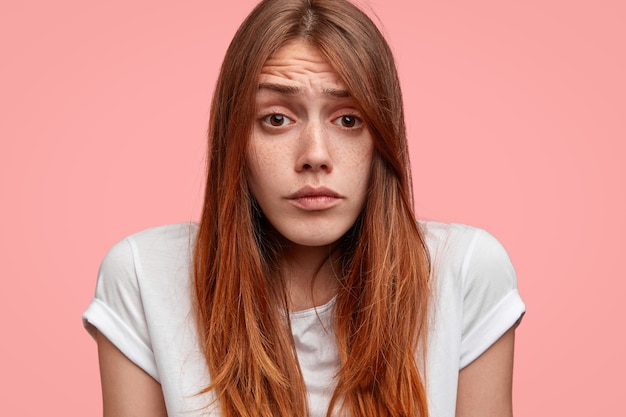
291,90
280,88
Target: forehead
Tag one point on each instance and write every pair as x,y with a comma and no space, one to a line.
299,62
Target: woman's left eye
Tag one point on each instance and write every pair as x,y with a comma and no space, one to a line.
348,121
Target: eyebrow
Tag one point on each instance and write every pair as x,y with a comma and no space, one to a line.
292,91
334,92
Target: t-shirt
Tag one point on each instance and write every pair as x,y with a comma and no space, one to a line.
143,305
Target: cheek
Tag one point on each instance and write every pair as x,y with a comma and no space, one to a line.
363,148
253,162
263,169
359,162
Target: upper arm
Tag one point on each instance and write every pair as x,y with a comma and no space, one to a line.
126,389
485,385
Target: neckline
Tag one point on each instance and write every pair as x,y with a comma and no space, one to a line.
315,311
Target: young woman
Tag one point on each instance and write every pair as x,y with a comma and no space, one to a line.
308,287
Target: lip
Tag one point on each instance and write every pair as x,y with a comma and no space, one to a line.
315,198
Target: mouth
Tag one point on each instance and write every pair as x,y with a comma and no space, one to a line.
314,198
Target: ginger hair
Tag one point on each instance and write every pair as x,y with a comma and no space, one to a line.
380,319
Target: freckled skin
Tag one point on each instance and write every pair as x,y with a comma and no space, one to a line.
308,132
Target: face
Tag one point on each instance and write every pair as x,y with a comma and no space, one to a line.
310,153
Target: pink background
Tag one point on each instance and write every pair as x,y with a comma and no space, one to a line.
516,114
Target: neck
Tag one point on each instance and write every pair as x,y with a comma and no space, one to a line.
310,275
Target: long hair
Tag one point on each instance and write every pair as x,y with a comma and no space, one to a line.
382,302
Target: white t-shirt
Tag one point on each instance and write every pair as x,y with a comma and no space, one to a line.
143,306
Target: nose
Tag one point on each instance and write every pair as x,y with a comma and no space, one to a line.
313,152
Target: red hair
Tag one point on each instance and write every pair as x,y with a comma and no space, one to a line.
382,304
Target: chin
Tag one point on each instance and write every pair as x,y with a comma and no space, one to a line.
312,241
313,236
310,232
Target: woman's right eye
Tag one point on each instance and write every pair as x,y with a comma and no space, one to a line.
277,120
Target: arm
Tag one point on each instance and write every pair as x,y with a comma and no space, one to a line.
126,389
485,385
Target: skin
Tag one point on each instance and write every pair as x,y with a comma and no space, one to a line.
308,132
127,391
485,385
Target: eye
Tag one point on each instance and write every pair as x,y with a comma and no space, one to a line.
277,120
348,121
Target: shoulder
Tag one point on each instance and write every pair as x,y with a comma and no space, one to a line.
157,244
476,284
163,239
144,260
467,249
438,233
142,286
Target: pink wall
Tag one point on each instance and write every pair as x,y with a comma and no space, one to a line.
516,116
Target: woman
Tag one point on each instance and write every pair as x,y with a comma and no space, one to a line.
308,288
